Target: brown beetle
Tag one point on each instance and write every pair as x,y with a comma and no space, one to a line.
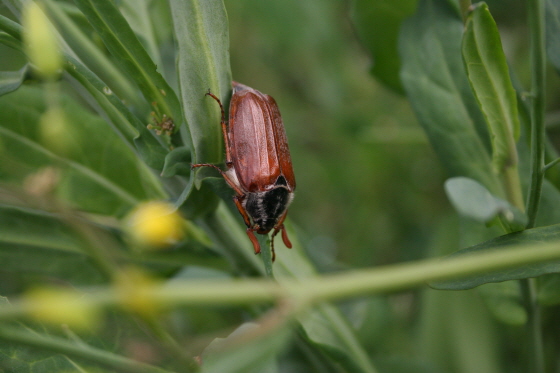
258,161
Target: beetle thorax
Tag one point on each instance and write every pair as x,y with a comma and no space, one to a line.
265,208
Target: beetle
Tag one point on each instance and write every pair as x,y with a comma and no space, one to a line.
259,167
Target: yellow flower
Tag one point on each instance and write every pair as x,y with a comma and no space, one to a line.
40,41
155,224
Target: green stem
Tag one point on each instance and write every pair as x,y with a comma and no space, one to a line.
551,164
536,23
535,10
63,346
313,290
266,254
529,296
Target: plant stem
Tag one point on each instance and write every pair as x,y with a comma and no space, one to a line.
529,296
266,253
63,346
535,10
551,164
316,289
536,24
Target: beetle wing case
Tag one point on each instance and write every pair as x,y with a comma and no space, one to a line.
260,153
258,160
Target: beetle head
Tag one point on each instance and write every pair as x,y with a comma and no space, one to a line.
266,208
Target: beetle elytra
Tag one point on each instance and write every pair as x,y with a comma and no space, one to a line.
259,167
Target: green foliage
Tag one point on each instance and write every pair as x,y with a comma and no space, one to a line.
529,236
434,78
129,115
379,25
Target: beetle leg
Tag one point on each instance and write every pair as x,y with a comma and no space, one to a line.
250,230
237,200
272,244
280,227
253,238
224,128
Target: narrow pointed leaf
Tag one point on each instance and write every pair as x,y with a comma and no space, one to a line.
202,35
535,235
201,32
152,151
11,80
123,44
488,74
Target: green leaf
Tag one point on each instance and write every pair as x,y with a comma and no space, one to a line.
473,200
378,24
90,53
549,290
137,14
177,162
250,348
95,162
552,20
152,151
202,36
434,78
39,244
324,326
201,33
488,73
10,41
504,301
11,80
529,236
461,317
30,351
123,44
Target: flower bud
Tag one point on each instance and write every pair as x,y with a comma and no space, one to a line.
61,306
155,224
40,41
54,131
